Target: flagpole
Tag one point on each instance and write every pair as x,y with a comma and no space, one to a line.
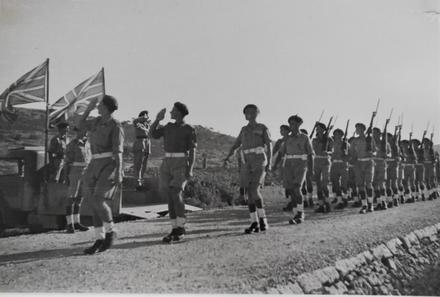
46,136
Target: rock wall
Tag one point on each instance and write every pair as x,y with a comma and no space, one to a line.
389,268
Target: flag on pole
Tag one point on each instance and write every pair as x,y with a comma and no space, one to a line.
31,87
75,101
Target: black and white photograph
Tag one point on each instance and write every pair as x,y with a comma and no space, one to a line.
220,147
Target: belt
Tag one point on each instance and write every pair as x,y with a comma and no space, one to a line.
321,157
175,155
338,161
141,137
390,160
79,164
301,157
256,150
427,162
378,159
364,159
102,155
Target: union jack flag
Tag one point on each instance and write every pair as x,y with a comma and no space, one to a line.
31,87
75,101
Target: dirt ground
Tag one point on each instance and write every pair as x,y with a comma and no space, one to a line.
215,258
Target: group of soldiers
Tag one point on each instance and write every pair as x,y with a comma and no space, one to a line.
374,168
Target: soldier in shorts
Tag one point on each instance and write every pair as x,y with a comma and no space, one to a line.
284,131
180,143
409,174
380,167
429,163
353,191
361,153
322,166
75,162
393,163
253,139
104,172
298,158
339,168
307,186
420,170
141,146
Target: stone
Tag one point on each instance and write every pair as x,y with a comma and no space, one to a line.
272,291
309,282
283,290
373,280
331,273
390,263
437,226
393,245
381,251
341,287
368,256
295,288
330,290
413,238
420,234
344,266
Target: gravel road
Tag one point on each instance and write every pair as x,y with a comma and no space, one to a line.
215,258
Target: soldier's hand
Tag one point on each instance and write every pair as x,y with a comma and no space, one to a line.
387,121
92,104
189,173
161,115
374,114
268,168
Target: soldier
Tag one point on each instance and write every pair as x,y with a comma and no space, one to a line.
56,150
104,173
321,166
284,131
253,139
180,143
401,167
409,174
298,158
429,163
75,162
393,163
420,170
242,199
361,152
380,167
352,180
437,175
141,146
339,168
307,186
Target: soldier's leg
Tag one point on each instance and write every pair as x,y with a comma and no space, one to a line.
376,182
344,184
335,180
360,184
298,171
309,187
412,183
406,184
137,165
368,175
144,164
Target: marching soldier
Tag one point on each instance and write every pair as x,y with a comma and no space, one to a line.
409,174
429,163
297,153
393,164
321,166
284,131
361,152
307,186
380,167
420,170
104,172
141,146
75,163
253,139
352,180
339,168
56,150
180,143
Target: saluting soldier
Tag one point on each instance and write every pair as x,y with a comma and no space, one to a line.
180,143
320,146
339,168
429,163
393,163
75,162
253,139
56,150
297,153
141,145
361,152
380,167
104,172
420,170
353,190
409,174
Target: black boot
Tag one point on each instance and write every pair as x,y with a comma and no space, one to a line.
357,204
169,237
327,207
320,209
370,207
70,228
263,225
363,209
80,227
395,202
108,241
311,204
384,205
253,228
95,247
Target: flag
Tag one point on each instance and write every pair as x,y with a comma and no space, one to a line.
31,87
75,101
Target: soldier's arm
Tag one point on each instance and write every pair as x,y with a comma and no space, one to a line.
83,124
280,155
310,153
268,143
118,148
234,147
156,132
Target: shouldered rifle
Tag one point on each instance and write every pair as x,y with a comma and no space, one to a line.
314,127
370,127
411,132
327,132
344,140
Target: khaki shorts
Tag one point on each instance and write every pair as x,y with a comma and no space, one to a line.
75,180
99,178
295,173
141,145
420,172
380,171
253,171
392,170
364,173
173,173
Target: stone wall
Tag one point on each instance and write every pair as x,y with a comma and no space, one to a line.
389,268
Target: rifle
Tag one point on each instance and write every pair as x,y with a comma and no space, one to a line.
370,128
411,133
314,127
384,133
327,132
344,140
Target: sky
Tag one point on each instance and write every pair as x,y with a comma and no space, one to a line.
288,57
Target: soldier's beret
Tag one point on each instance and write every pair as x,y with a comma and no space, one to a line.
304,131
253,106
376,130
110,102
338,131
181,108
321,125
426,140
285,127
405,141
296,119
416,141
142,113
389,135
360,125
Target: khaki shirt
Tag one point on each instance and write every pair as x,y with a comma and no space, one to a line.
254,136
141,127
358,148
76,152
318,146
177,138
57,147
338,151
105,136
297,145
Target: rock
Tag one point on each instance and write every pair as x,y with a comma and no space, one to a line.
345,266
309,282
381,251
327,275
420,234
283,290
390,263
295,288
341,287
437,226
272,291
368,256
373,280
393,245
331,290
